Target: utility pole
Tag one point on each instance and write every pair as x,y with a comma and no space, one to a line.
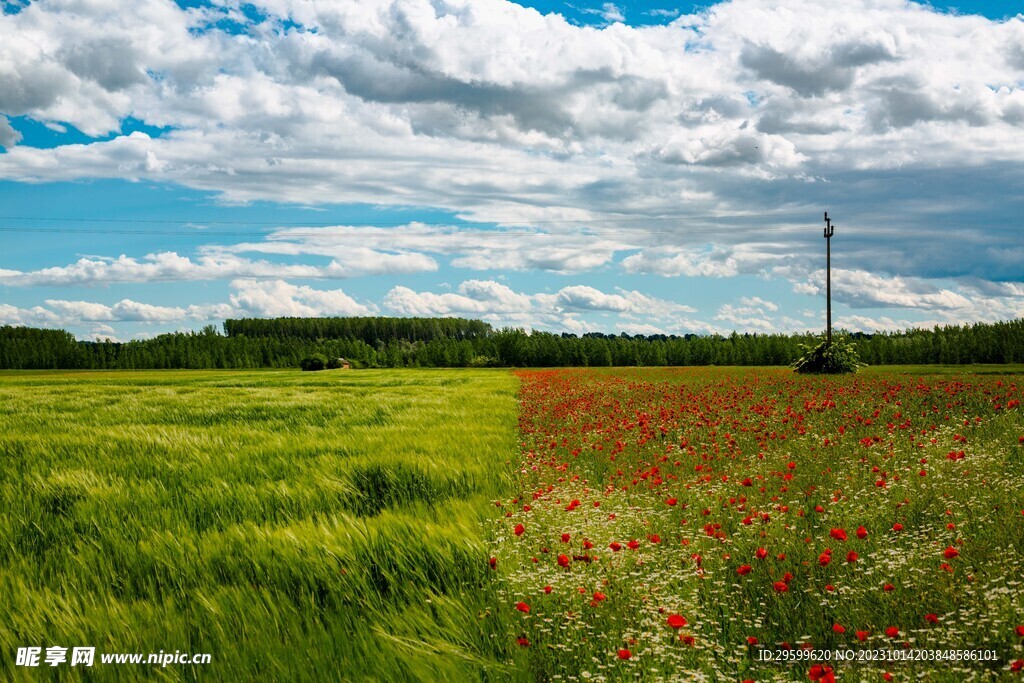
829,231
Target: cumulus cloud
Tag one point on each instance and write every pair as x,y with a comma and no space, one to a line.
486,106
870,325
273,298
249,298
65,313
689,262
476,297
588,298
8,136
705,147
559,311
861,289
214,263
470,248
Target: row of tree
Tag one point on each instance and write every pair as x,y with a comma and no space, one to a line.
368,329
407,342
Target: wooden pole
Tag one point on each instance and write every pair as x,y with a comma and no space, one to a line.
829,231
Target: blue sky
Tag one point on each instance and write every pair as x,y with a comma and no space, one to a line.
639,168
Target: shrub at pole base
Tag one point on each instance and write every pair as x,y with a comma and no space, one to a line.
839,357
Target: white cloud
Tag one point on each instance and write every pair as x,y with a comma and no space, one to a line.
470,248
639,328
272,298
705,148
689,262
473,297
259,298
861,323
213,264
491,109
582,297
8,136
501,305
861,289
756,304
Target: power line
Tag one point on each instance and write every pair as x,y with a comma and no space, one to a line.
474,231
381,224
457,222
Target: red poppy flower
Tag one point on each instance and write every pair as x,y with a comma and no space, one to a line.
892,631
633,544
565,538
838,628
671,501
676,621
887,676
821,673
519,529
761,553
1017,665
625,654
615,546
824,559
548,589
888,587
838,534
523,641
950,553
931,618
1019,631
897,527
688,639
743,569
493,562
852,556
751,640
563,560
862,636
781,587
523,607
862,533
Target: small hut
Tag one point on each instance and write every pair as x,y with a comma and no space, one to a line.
342,364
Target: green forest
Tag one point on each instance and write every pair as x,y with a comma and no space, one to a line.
455,342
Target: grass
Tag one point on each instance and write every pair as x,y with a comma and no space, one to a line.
337,526
295,526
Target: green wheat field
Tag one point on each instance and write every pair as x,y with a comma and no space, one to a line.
296,526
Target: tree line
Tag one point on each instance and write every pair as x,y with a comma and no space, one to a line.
450,342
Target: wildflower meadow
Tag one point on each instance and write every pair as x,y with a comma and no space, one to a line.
686,524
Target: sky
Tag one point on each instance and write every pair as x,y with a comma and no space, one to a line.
644,167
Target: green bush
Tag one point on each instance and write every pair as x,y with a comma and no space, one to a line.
837,358
317,361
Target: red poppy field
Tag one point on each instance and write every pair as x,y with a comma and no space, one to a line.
687,524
